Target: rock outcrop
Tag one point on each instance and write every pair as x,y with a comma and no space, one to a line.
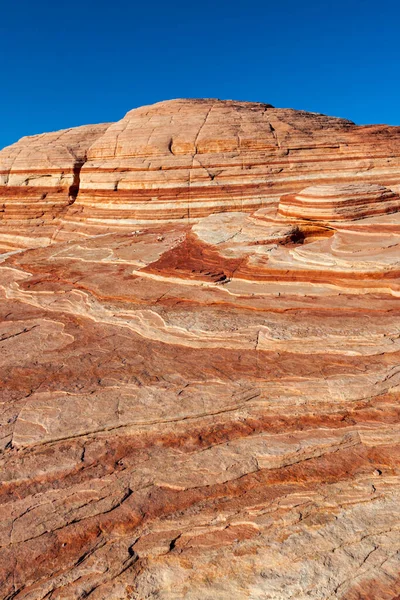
39,179
344,202
199,361
183,160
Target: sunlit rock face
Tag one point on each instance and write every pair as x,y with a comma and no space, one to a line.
39,179
199,358
182,160
340,202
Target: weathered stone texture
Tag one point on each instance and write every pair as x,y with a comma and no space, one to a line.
199,358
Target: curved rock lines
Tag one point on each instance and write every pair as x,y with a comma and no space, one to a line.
202,407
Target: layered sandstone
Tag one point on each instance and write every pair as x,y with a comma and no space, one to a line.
340,202
202,405
183,160
39,179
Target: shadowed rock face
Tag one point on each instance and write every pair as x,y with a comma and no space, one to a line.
199,361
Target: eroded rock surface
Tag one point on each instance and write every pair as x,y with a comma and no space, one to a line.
199,385
340,202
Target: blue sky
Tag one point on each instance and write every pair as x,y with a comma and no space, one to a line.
65,63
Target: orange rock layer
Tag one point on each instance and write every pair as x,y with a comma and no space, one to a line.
186,159
199,371
340,202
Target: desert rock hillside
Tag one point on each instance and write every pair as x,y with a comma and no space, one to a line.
200,358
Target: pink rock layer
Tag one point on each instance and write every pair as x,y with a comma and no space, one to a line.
204,406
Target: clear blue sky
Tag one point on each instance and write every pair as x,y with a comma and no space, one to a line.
67,63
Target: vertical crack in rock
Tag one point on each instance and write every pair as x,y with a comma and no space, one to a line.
73,190
195,152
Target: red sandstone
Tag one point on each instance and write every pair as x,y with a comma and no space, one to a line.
199,358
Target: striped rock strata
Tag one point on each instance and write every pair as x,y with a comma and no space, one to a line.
340,202
202,407
39,179
182,159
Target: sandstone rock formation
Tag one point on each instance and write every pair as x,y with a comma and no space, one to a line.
199,358
39,179
340,202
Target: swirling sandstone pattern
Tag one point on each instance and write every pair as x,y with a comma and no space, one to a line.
199,365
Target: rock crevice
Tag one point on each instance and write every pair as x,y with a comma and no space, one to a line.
73,189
